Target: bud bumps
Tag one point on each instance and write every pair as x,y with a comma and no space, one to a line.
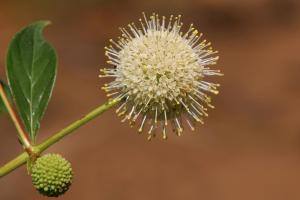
52,175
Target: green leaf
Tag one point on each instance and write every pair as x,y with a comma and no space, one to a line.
31,72
6,90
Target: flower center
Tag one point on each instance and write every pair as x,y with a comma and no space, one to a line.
159,65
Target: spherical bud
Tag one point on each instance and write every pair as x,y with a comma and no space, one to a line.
52,175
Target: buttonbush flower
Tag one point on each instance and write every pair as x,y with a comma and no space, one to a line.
159,74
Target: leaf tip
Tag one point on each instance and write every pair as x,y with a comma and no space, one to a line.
42,23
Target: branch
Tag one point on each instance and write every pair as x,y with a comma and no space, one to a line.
22,133
22,158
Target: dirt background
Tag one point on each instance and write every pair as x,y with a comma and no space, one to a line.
249,147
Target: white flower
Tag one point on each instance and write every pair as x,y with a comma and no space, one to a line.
159,73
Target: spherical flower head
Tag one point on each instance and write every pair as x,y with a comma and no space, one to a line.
159,75
51,175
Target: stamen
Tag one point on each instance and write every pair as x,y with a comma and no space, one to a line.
190,124
142,124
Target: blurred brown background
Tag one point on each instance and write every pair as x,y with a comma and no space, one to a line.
249,147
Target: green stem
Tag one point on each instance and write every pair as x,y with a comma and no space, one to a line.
22,158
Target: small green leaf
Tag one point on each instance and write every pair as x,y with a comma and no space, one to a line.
31,72
6,90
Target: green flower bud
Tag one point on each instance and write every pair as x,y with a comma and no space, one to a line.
52,175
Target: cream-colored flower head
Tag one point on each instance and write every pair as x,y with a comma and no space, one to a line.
159,74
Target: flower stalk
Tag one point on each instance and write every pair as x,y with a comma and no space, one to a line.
23,158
